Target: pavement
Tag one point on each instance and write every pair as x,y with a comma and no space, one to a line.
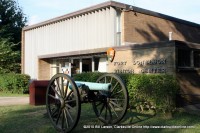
192,109
6,101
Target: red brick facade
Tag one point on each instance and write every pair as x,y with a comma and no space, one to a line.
141,28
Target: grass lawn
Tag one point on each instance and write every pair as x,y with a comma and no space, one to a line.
32,119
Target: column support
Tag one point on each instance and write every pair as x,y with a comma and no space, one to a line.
192,58
93,65
81,65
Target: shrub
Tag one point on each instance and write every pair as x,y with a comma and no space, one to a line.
87,76
158,91
15,83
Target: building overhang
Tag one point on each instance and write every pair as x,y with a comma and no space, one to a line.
187,45
100,52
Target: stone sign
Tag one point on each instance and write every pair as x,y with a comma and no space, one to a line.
150,61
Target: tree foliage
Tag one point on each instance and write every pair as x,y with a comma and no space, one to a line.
12,20
9,59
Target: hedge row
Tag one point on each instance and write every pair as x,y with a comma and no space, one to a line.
15,83
158,91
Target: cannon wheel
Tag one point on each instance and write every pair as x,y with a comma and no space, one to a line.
63,102
111,106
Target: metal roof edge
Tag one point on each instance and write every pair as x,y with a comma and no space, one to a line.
115,4
79,12
167,17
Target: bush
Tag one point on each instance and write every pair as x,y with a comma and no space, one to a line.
15,83
157,91
87,76
145,91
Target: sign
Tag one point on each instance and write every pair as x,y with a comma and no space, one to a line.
141,66
110,54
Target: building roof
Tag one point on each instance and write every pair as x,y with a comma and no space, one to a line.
114,4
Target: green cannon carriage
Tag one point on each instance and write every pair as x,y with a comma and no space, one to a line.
109,98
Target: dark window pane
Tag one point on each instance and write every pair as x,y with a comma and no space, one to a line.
183,58
96,61
196,58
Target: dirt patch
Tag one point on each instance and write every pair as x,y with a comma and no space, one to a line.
6,101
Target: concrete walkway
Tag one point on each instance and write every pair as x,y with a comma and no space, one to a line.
192,109
6,101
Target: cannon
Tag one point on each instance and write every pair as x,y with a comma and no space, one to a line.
109,98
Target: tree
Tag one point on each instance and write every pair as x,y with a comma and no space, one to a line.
12,20
9,59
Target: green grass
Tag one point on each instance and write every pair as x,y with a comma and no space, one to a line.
33,119
9,94
24,119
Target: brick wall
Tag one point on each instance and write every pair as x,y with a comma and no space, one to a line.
140,28
44,69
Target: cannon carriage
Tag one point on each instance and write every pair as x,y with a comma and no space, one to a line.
109,98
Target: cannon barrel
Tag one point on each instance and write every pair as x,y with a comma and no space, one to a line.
94,86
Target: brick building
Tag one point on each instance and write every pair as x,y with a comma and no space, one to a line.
144,42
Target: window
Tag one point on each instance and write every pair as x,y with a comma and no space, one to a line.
96,64
184,58
196,58
87,65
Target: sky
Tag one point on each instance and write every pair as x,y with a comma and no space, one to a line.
42,10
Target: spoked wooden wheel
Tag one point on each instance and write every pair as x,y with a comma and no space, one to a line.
111,106
63,103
